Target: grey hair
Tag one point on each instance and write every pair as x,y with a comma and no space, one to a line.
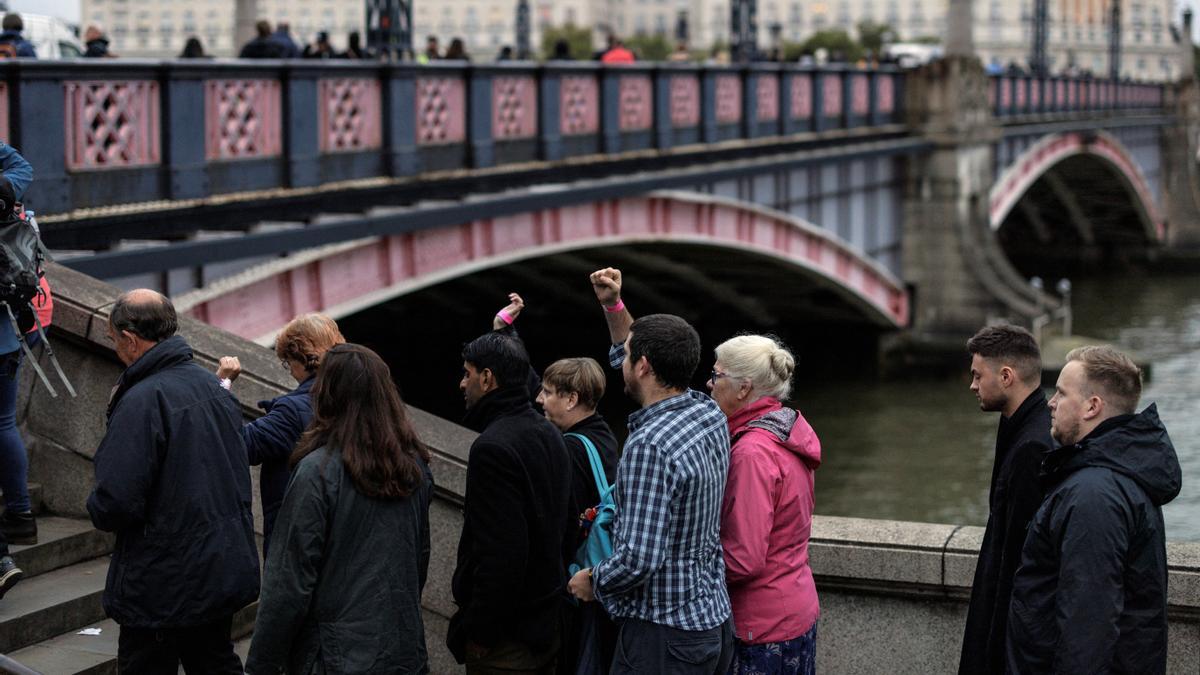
762,359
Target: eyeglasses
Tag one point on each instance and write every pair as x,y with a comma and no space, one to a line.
714,376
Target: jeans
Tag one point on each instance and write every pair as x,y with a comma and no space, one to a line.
797,656
644,647
14,462
202,650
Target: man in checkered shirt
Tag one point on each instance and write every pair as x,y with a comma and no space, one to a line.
664,583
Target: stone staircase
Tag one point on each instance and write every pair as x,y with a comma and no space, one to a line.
40,618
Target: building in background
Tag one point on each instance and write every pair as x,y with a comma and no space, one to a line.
1078,29
159,28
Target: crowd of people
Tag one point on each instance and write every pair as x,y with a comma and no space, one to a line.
684,551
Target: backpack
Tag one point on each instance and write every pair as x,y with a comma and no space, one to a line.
8,50
598,520
22,258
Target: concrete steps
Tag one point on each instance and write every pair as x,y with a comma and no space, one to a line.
74,654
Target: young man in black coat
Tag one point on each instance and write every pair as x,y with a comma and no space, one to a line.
173,483
510,573
1090,595
1006,373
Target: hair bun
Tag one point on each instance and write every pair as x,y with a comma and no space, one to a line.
782,364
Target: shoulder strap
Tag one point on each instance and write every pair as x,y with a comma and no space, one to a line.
594,460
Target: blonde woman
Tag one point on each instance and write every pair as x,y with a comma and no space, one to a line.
766,515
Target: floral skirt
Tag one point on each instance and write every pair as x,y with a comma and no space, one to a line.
797,656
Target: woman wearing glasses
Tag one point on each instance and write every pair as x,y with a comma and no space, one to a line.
766,516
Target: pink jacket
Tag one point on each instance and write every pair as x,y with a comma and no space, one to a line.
766,519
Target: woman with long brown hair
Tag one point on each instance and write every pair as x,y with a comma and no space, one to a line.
343,581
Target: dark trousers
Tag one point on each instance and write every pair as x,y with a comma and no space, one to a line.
512,658
201,650
644,647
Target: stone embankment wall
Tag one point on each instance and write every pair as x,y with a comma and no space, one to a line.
893,594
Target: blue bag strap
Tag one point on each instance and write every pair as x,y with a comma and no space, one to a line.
594,460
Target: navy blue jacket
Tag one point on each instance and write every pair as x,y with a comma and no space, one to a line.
24,47
270,441
173,483
1090,595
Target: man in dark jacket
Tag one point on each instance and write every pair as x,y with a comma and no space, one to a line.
12,44
263,46
1090,595
1006,374
510,574
173,483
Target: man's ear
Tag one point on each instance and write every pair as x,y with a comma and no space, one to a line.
487,379
1095,407
572,400
1008,376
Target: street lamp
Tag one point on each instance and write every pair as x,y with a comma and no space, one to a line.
743,29
1114,41
523,51
389,29
1037,58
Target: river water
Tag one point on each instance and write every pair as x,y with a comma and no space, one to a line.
923,450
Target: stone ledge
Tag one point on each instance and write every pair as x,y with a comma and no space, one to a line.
923,560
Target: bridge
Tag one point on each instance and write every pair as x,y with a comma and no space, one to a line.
869,198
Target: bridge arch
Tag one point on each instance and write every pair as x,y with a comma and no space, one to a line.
349,277
1057,158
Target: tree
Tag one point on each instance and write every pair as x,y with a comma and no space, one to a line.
836,42
579,40
650,47
873,36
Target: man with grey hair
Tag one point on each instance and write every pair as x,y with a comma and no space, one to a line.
173,483
1090,595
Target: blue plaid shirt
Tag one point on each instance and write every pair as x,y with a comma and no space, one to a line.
666,565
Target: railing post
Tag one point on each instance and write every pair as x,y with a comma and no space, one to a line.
184,110
400,119
479,120
550,113
301,137
749,77
708,106
610,109
787,125
663,132
818,100
38,120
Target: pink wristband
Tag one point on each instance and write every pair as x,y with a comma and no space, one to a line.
505,317
620,306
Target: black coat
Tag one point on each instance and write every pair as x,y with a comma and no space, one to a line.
1022,441
1090,595
583,484
510,574
262,48
270,441
342,588
173,482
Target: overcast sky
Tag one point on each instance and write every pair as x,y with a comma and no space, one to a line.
69,10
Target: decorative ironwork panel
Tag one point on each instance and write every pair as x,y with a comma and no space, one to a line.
350,115
241,119
441,109
514,107
579,105
637,103
1060,87
685,100
767,95
1006,86
729,99
885,94
832,90
1020,86
860,94
111,124
1035,93
802,97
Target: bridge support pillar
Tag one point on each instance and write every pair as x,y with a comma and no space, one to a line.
1181,175
959,277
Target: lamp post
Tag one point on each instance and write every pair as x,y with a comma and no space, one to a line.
1114,41
743,29
1037,58
389,29
523,51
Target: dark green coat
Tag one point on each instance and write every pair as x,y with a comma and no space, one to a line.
343,582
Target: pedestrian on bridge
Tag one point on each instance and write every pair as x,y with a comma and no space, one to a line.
509,578
1006,377
271,439
665,580
342,587
1090,595
766,514
172,482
